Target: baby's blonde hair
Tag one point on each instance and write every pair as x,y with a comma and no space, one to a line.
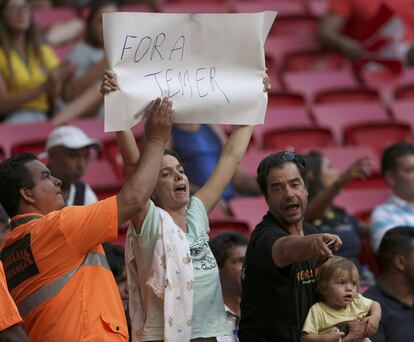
331,267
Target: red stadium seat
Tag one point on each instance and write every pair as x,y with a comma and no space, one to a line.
251,160
378,135
282,117
195,7
311,82
337,116
19,138
361,200
367,256
283,7
45,18
403,111
301,27
229,225
386,81
135,8
276,100
249,209
315,60
298,138
347,95
404,92
279,46
318,8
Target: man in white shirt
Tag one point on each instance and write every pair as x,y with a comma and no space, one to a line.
397,166
68,149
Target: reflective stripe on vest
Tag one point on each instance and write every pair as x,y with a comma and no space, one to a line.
48,291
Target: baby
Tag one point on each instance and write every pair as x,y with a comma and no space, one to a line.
340,302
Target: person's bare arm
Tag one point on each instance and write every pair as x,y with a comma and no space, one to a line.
244,183
373,319
333,336
330,36
10,102
135,193
14,333
294,248
231,155
76,85
358,170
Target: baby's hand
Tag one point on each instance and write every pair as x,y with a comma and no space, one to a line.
372,323
333,335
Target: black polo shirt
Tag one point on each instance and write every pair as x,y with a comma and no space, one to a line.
397,320
275,301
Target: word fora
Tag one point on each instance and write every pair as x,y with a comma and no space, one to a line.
200,82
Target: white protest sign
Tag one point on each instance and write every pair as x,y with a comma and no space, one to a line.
210,65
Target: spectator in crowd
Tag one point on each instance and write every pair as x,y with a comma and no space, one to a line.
54,262
4,225
30,76
344,28
395,290
89,59
160,257
337,284
229,250
279,270
116,260
11,329
68,149
199,146
325,182
397,167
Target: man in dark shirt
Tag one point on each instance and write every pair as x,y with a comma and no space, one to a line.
279,270
395,290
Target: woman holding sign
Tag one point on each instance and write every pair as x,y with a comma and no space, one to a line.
175,292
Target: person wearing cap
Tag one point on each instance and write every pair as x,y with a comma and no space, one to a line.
55,265
68,149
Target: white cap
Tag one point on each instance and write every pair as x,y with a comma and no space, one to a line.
69,137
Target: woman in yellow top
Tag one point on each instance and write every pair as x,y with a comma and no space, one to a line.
30,75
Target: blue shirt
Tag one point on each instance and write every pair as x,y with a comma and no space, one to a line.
200,152
397,319
395,212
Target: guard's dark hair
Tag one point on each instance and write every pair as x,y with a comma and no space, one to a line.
223,242
13,176
392,153
396,241
277,160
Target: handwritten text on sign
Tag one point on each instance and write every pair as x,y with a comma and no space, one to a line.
210,65
171,82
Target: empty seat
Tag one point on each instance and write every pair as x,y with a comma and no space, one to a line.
298,138
229,225
377,135
300,27
283,7
249,209
402,110
311,82
19,138
386,81
252,159
337,116
359,200
404,91
279,46
282,117
346,95
315,60
194,7
45,18
276,100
